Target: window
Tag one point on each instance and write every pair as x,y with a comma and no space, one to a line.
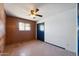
21,26
24,26
27,26
41,27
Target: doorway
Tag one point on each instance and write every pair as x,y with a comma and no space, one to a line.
40,31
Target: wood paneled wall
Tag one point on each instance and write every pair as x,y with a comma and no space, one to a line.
13,35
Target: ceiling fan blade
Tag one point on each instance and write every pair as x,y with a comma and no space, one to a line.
39,15
37,10
32,12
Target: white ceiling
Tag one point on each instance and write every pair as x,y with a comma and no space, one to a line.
22,10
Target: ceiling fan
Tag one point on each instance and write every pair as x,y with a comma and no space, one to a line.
34,13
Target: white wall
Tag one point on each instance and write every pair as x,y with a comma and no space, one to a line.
2,27
60,28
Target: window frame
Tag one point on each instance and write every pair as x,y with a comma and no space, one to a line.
28,26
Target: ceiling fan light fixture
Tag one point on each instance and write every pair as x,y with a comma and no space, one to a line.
33,16
34,13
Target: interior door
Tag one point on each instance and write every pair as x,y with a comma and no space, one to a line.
40,31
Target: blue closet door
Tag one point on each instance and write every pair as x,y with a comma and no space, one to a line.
40,31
